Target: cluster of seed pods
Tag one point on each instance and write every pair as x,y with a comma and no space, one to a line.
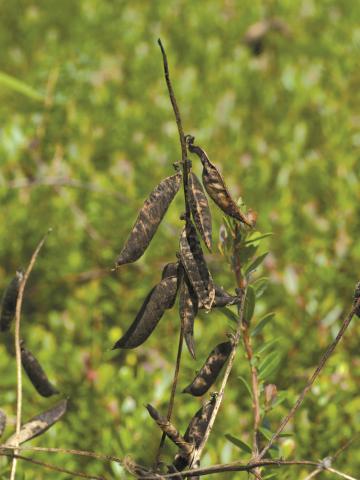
191,277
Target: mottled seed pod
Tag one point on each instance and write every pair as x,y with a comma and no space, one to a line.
216,188
8,304
168,428
356,298
36,374
210,370
224,299
39,424
148,220
188,305
200,209
161,297
193,261
2,422
170,270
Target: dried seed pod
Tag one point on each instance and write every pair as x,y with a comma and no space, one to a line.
216,188
170,270
188,305
223,298
210,370
2,422
149,219
36,373
167,427
160,298
8,304
193,261
356,298
39,424
200,209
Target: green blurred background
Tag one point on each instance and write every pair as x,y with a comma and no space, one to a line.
87,136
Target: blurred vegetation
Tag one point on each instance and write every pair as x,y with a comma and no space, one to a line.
87,130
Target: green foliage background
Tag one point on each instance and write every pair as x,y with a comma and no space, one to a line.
94,119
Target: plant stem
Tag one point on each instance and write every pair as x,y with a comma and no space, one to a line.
18,348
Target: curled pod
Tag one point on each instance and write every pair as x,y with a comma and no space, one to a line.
2,422
8,304
223,298
216,188
188,305
148,220
210,370
168,428
36,374
356,298
160,298
193,261
39,424
200,209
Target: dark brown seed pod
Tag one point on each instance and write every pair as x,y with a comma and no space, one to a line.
198,425
193,261
216,188
188,305
200,209
223,298
167,427
8,304
170,270
39,424
2,422
161,297
210,370
149,219
36,373
356,298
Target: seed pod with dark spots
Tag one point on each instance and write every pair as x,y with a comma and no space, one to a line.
223,298
216,188
8,304
168,428
2,422
36,373
161,297
39,424
200,209
188,305
149,219
356,298
170,270
193,261
210,370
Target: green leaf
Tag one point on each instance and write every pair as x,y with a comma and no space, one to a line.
262,322
238,443
260,286
269,365
266,432
19,86
265,346
246,253
256,239
230,314
247,386
256,263
249,304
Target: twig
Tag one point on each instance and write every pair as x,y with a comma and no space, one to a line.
52,467
312,379
18,348
314,473
341,474
220,395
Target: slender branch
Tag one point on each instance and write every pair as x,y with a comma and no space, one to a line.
52,467
18,348
314,473
220,395
341,474
312,379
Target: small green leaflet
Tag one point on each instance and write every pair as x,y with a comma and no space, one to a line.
246,253
256,239
238,443
269,365
249,304
262,322
247,386
260,285
19,86
230,314
265,346
257,262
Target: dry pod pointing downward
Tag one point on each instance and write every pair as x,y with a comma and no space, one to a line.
200,209
210,370
188,305
36,373
149,219
8,304
216,188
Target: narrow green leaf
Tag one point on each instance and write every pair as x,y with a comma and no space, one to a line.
262,322
247,386
249,304
260,285
265,346
238,443
271,363
256,263
246,253
230,314
266,432
19,86
256,239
